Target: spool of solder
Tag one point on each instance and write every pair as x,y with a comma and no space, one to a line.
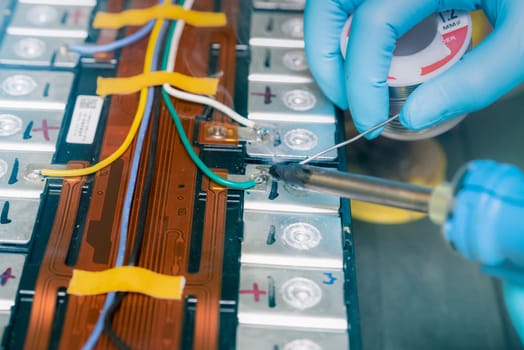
427,50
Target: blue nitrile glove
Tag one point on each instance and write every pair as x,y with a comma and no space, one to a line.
487,226
514,297
485,74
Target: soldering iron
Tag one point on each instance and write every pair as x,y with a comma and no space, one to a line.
480,190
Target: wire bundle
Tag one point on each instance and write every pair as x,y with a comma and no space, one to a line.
140,126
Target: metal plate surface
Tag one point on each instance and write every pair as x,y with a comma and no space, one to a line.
282,65
273,29
289,102
292,298
4,321
268,338
289,199
4,12
17,219
91,3
292,240
37,51
11,266
65,21
13,168
295,141
34,90
296,5
27,130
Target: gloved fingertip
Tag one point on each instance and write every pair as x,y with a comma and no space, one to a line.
374,134
342,104
514,297
417,115
362,128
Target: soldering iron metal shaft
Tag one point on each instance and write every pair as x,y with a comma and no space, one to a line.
359,187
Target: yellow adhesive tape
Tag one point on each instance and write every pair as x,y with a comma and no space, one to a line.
113,86
126,279
169,12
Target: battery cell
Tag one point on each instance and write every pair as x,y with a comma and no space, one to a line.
34,90
11,266
295,141
37,51
273,29
284,239
275,197
274,64
14,167
295,5
50,20
292,298
17,219
264,338
289,103
29,130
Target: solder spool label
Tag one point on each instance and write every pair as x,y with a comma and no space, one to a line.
451,40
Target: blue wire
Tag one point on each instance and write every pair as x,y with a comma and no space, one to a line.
86,49
99,326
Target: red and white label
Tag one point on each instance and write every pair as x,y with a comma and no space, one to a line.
451,41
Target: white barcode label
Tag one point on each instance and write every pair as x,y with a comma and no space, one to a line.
85,119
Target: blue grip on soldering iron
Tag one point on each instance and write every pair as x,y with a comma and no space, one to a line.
486,224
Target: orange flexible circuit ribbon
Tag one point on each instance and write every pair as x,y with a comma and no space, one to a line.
169,12
113,86
126,279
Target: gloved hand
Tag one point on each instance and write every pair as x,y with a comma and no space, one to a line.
486,226
514,297
485,74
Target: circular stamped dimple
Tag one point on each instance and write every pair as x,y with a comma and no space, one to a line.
41,15
302,344
300,139
10,124
299,100
296,2
30,48
294,28
3,168
295,61
301,235
301,293
18,85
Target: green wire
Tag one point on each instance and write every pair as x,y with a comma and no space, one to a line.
185,141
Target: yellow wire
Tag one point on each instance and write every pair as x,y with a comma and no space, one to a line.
134,126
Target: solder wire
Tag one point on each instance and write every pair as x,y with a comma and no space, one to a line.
178,124
151,57
87,49
173,47
347,142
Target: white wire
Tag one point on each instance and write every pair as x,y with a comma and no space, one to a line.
192,97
